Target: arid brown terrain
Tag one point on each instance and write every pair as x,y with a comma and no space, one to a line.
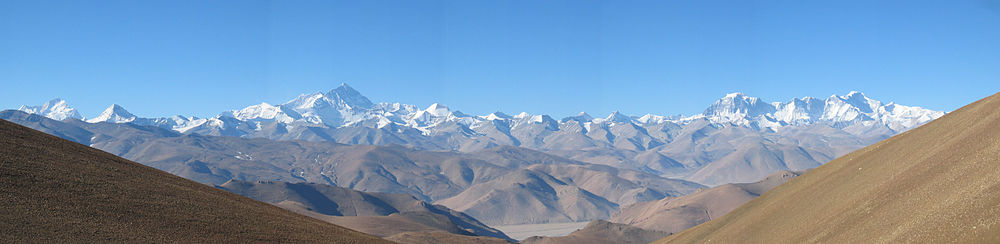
378,214
54,190
600,231
673,215
939,183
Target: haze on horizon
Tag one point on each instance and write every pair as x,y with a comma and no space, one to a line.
556,57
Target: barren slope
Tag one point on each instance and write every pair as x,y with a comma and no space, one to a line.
673,215
379,214
442,237
54,190
528,197
600,231
934,184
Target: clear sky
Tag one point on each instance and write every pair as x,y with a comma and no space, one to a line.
160,58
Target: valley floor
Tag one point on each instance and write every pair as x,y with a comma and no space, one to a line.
520,232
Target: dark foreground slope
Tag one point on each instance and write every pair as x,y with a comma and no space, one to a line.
939,183
55,190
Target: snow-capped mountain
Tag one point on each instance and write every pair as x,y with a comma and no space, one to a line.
114,114
118,114
56,109
837,111
738,138
346,107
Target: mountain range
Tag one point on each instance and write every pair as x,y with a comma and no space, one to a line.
556,188
736,139
346,107
448,180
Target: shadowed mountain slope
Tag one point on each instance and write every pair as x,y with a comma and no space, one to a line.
380,214
56,190
934,184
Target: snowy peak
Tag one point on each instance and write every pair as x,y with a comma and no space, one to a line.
114,114
497,116
438,110
618,117
839,111
309,101
264,111
350,97
860,101
56,109
800,111
736,107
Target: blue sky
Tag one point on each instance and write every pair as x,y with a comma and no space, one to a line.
160,58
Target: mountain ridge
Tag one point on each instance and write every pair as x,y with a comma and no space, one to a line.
344,106
738,139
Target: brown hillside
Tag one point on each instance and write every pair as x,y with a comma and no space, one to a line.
55,190
378,214
673,215
437,237
939,183
599,232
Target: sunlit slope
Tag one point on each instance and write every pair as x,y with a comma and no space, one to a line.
939,183
54,190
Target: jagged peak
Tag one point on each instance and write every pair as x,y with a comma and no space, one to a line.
117,109
114,114
735,95
349,96
738,105
344,88
436,106
738,96
855,93
617,116
57,109
438,110
497,116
